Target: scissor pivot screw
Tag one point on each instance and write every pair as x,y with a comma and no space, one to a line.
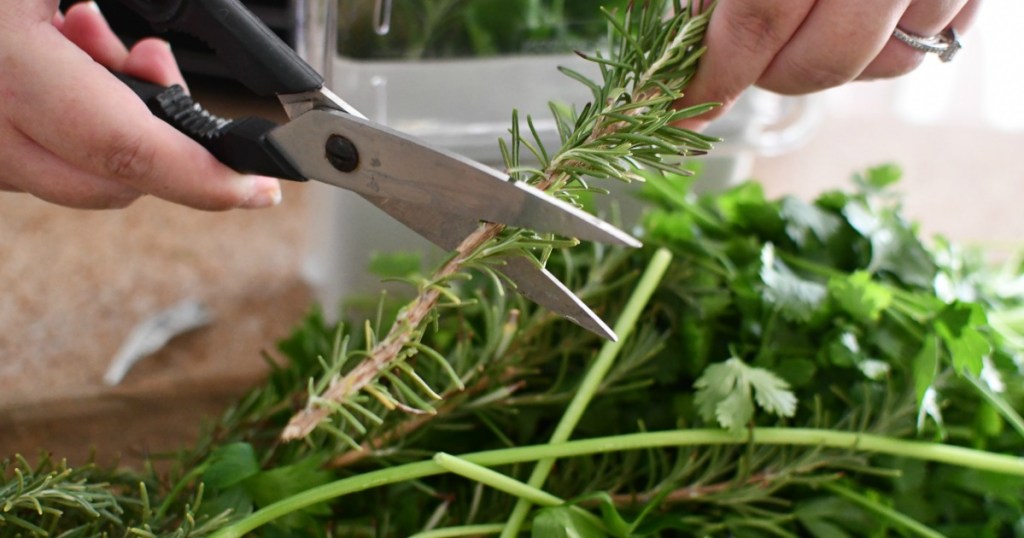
341,153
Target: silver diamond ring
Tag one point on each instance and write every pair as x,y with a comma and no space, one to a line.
945,44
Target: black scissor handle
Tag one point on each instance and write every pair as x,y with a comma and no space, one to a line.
239,143
253,53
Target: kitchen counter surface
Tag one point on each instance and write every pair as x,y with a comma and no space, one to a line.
77,282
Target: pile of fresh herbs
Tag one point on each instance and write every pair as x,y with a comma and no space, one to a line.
784,368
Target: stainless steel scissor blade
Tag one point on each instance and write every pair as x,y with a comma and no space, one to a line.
537,284
388,164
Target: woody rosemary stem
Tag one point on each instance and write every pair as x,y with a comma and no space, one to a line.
858,442
401,333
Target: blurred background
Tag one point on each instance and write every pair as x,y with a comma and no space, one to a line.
77,283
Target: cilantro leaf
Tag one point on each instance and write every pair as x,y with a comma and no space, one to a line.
771,393
279,483
734,411
796,298
844,350
726,393
230,464
805,221
860,297
282,482
895,246
958,326
878,178
745,207
674,226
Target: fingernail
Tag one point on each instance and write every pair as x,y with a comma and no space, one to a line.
94,6
266,192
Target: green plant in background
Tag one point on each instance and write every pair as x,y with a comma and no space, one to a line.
785,368
469,28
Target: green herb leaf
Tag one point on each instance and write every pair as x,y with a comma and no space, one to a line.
673,226
959,325
878,178
745,207
806,222
796,298
230,464
895,246
726,392
278,483
282,482
859,296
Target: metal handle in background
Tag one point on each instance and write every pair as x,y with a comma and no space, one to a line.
240,143
253,53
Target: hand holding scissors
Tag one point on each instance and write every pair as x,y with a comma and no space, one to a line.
71,134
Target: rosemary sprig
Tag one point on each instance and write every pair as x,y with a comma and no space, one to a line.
52,498
629,124
39,496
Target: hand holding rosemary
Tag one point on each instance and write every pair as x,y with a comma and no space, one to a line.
797,47
799,368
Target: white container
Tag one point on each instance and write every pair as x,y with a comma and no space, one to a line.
465,105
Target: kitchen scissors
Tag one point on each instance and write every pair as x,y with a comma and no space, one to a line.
438,194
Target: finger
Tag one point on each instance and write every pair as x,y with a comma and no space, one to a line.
743,38
85,26
837,42
8,187
924,18
33,169
152,60
965,19
929,17
97,123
